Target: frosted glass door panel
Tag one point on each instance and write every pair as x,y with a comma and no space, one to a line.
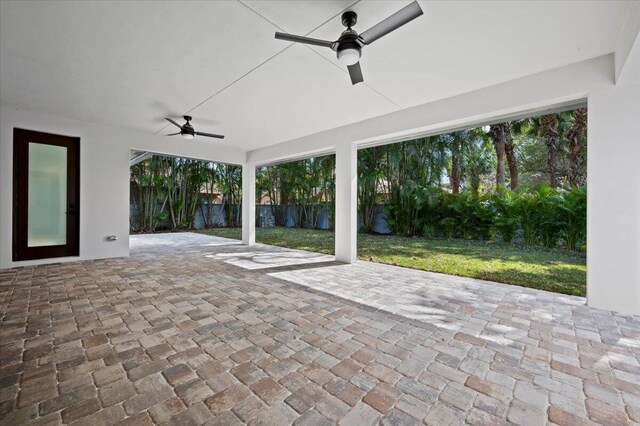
47,195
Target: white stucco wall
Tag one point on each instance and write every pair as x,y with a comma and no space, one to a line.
104,177
613,199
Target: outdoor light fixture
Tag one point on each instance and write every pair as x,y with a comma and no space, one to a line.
349,56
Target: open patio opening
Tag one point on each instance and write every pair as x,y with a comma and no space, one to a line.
170,193
503,202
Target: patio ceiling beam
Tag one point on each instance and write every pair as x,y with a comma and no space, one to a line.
627,53
139,157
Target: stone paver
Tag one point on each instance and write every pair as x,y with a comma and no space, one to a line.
192,329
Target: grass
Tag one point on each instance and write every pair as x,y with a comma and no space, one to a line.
556,270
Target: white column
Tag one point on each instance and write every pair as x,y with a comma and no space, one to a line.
249,204
613,199
346,202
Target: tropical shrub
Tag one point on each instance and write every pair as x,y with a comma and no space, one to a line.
543,215
572,213
506,221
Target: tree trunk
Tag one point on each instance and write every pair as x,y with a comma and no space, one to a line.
549,133
511,158
455,172
498,135
475,186
574,135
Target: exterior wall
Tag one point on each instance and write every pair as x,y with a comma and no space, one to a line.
613,199
104,178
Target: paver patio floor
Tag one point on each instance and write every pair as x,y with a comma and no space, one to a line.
192,329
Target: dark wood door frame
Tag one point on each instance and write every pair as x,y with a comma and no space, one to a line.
21,250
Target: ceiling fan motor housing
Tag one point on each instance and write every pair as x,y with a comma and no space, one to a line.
187,128
349,19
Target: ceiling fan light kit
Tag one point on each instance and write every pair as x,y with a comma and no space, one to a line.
349,56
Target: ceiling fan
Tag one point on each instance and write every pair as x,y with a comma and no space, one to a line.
349,46
188,132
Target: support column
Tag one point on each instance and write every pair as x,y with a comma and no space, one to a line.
249,204
346,213
613,199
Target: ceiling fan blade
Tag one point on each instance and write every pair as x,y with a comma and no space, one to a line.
393,22
305,40
173,134
173,122
211,135
355,72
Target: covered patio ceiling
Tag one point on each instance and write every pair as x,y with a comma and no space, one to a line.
131,64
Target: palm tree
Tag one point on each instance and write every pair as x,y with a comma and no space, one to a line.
549,128
455,141
511,157
498,136
575,135
370,175
478,162
549,134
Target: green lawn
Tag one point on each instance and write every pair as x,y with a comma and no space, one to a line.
555,270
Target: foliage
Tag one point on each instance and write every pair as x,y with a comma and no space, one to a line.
147,185
544,216
506,220
304,186
171,189
411,168
183,179
230,185
370,180
570,148
556,270
572,212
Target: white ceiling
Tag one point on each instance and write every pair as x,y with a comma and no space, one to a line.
130,64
